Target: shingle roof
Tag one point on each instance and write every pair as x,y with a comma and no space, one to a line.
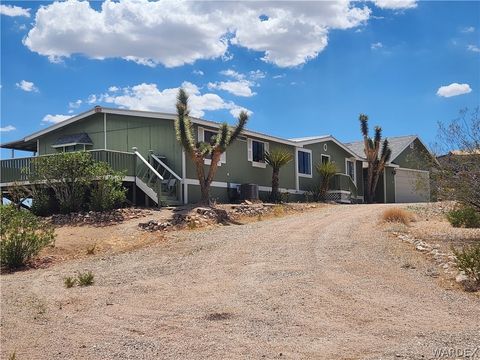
397,145
81,138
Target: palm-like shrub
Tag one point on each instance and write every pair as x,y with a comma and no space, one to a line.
377,155
277,158
198,151
326,171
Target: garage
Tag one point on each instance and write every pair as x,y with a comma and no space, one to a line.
411,186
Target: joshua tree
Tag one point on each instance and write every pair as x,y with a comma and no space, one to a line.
198,151
326,171
276,159
376,157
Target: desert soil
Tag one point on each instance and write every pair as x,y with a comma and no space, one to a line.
325,284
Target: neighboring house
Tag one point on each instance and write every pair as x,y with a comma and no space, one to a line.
143,145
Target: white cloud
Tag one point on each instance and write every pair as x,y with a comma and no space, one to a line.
12,10
7,128
113,88
149,97
92,99
256,74
239,88
279,76
396,4
233,74
473,48
75,104
55,119
468,29
198,72
27,86
453,89
174,33
375,46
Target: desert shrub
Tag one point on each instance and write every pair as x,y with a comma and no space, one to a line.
326,171
91,249
465,216
69,282
43,203
85,279
398,215
23,235
278,210
107,192
468,260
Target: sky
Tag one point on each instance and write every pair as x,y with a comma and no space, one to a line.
298,68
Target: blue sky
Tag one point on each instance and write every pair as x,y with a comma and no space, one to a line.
301,69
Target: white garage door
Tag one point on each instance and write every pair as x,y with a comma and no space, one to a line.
411,186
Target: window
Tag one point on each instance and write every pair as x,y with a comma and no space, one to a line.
350,169
205,135
69,148
325,159
304,159
256,152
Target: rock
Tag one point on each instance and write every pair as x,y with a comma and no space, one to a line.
461,278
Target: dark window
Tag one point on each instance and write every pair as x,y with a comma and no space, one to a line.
325,159
351,169
304,163
70,148
258,151
209,137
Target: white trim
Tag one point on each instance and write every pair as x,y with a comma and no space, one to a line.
70,144
297,180
38,147
152,169
421,171
338,192
224,185
353,161
299,174
105,130
201,138
257,164
325,155
332,139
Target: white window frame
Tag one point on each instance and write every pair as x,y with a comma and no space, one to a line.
311,162
352,160
258,164
201,138
324,155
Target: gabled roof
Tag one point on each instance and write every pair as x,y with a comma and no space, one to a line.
321,138
309,138
397,145
75,139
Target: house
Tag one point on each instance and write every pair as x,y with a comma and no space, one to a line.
143,145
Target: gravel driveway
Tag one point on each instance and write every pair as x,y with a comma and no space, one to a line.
326,284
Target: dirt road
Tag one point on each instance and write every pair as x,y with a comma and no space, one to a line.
326,284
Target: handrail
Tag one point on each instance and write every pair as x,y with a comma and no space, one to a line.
148,164
91,150
165,166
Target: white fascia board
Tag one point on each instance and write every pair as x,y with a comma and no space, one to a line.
334,140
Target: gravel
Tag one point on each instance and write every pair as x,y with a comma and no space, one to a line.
326,284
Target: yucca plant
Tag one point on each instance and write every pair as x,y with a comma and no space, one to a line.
377,155
198,151
326,171
277,158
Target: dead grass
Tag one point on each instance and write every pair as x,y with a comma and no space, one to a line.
397,215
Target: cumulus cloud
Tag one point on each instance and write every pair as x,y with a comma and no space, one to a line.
453,89
198,72
75,104
113,88
149,97
27,86
7,128
473,48
12,10
55,119
239,88
174,33
375,46
396,4
469,29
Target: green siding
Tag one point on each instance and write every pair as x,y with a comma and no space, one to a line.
417,158
239,170
337,156
390,181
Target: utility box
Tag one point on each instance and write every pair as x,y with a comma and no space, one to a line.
249,192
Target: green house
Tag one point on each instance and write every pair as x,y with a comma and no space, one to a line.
157,170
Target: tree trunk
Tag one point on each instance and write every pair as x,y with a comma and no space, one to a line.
275,196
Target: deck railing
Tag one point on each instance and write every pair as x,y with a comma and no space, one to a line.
343,182
18,170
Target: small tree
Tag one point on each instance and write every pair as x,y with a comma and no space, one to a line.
277,158
198,151
376,154
326,171
107,189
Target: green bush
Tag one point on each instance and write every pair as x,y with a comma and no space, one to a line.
69,282
108,192
85,279
466,217
43,204
468,260
23,235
